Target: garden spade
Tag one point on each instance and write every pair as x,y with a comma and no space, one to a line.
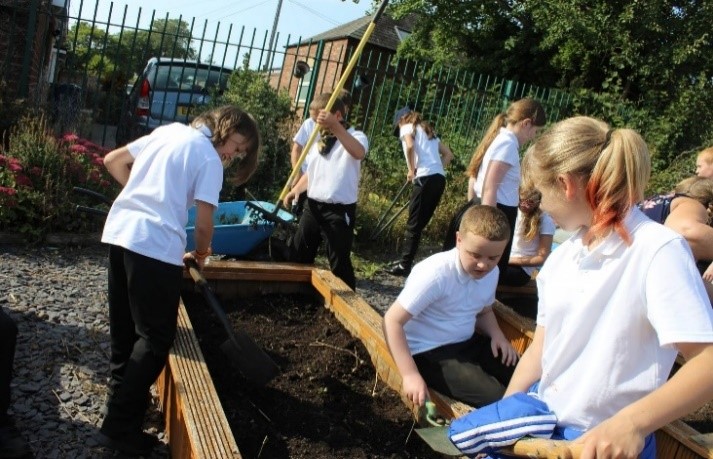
243,352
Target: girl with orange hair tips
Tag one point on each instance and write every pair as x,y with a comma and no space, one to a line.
617,301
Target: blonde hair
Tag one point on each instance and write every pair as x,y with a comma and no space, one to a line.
416,119
698,188
517,111
225,121
531,222
320,102
614,164
706,155
485,221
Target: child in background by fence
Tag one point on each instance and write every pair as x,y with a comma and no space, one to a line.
494,168
331,182
163,174
620,280
441,330
303,133
426,159
704,163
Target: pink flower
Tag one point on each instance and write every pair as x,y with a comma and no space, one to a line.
14,166
78,148
7,191
98,161
70,137
23,180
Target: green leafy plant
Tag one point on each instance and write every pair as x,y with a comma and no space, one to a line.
37,174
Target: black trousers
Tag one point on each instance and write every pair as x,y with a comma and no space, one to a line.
466,371
8,340
335,224
143,312
514,276
425,196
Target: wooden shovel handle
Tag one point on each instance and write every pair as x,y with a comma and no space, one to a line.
545,449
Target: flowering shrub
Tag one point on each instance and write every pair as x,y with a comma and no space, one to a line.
37,174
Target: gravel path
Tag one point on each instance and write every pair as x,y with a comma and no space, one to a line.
57,296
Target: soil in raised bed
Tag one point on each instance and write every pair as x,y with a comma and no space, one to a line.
327,401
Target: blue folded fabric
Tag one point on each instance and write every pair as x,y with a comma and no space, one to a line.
501,424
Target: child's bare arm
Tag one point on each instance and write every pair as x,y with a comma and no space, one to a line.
414,386
487,323
529,368
446,154
688,389
118,163
352,145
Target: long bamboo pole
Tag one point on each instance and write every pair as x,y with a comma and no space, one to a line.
335,94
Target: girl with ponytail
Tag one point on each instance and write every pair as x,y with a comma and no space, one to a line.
494,169
617,301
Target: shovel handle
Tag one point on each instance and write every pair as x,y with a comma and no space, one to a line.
212,301
543,448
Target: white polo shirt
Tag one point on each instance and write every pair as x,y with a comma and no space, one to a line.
302,136
443,300
612,316
504,148
334,177
523,248
173,167
428,160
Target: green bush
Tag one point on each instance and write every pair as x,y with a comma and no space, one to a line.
37,174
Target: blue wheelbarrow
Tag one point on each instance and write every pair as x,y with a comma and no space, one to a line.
239,226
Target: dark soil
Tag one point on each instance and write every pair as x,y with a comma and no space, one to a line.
326,403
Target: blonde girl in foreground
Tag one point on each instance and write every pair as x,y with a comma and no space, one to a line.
618,300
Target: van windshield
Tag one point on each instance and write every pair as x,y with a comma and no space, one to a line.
189,78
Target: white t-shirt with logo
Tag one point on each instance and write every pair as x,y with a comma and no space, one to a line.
523,248
428,160
173,167
334,177
504,148
443,300
612,316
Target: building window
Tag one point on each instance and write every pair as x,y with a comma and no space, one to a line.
402,34
303,88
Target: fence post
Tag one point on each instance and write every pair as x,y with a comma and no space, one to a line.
24,88
507,93
315,77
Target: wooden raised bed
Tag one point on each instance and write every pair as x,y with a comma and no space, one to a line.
196,425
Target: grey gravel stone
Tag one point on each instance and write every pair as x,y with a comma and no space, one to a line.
57,296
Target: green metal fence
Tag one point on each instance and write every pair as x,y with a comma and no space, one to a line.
87,61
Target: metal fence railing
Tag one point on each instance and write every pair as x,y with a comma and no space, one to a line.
89,55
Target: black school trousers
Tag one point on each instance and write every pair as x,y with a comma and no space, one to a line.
465,371
143,313
425,196
335,224
8,340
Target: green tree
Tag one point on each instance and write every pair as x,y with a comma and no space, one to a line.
646,65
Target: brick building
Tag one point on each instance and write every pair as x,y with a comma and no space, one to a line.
29,32
327,55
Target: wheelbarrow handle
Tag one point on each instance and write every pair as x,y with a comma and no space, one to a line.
93,194
92,210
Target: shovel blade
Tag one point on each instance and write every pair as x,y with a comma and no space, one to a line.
249,358
437,439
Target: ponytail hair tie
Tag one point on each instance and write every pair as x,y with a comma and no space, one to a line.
607,139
